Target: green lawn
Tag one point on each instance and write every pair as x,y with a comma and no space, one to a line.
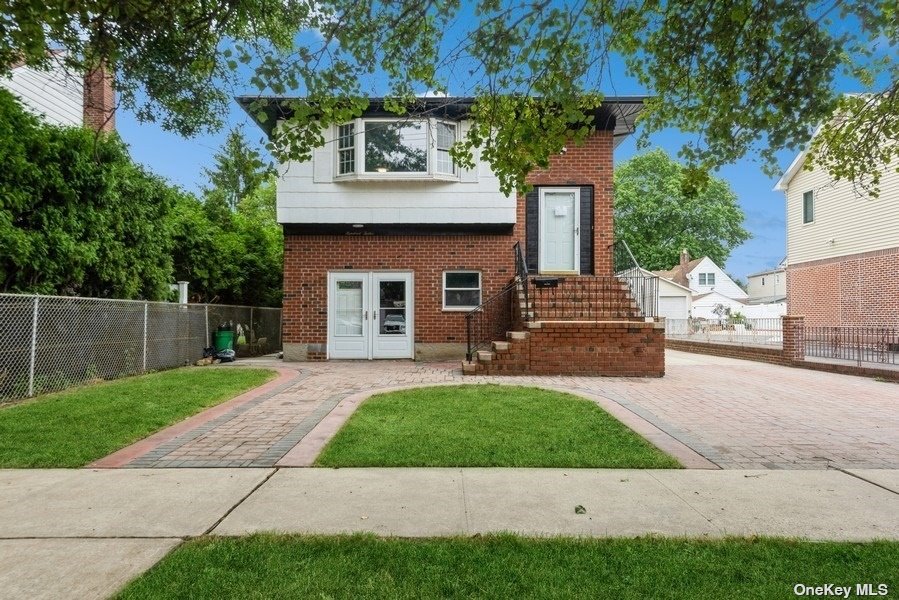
509,567
80,425
487,426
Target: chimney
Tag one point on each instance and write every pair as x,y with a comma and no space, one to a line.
99,100
684,257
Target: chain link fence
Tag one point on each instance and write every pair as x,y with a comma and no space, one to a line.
48,343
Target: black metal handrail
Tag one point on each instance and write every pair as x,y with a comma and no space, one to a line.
491,320
595,298
521,271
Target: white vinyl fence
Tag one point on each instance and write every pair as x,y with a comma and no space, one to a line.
757,332
48,343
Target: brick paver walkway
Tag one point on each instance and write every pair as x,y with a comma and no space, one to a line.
738,414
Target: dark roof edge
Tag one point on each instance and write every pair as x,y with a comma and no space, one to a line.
612,111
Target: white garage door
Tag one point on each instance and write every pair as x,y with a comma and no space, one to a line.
673,307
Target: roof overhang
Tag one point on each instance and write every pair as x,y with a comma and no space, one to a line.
616,113
795,166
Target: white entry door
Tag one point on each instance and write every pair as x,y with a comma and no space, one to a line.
392,312
370,315
559,240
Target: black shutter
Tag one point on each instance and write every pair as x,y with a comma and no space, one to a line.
587,230
532,228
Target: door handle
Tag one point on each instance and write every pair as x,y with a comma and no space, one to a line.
366,315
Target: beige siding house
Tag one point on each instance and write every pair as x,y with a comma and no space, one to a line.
842,247
768,286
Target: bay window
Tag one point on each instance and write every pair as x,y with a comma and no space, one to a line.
396,148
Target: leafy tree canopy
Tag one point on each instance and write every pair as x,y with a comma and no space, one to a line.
742,75
77,216
238,170
658,220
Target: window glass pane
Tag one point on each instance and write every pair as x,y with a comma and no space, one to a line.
346,152
463,298
392,307
346,136
702,279
396,147
808,207
463,280
446,135
710,279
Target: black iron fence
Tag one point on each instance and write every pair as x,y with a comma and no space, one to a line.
593,298
491,320
858,344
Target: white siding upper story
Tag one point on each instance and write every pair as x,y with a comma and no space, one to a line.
698,279
312,192
53,94
767,285
845,221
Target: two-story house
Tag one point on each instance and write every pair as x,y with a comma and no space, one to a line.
389,243
768,286
710,286
842,247
61,98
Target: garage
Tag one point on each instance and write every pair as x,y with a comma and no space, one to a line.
673,307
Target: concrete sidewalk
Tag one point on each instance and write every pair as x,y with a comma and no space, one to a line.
84,533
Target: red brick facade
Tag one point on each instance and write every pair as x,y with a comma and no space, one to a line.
607,348
99,100
590,164
860,289
309,258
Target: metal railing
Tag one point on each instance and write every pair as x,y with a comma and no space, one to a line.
491,320
737,330
48,343
592,298
644,288
857,344
521,271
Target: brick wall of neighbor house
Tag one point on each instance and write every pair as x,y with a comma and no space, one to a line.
99,100
861,289
308,258
589,164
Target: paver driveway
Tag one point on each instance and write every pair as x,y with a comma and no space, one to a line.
738,414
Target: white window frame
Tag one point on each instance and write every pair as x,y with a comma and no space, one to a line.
704,279
351,147
480,290
454,170
360,174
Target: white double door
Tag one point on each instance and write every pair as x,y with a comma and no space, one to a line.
370,315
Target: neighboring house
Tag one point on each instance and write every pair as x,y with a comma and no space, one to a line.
842,248
712,288
388,243
702,276
675,301
63,99
769,286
